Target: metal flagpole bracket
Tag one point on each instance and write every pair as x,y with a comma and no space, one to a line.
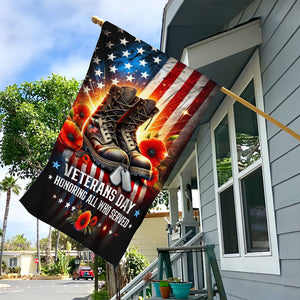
97,20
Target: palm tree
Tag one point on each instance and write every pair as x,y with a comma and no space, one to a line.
8,185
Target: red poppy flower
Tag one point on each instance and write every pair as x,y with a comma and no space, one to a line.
154,150
82,111
154,178
70,135
85,158
94,221
83,220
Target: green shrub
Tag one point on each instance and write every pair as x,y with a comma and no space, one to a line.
101,295
135,262
14,270
60,267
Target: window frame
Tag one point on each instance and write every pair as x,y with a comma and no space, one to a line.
254,262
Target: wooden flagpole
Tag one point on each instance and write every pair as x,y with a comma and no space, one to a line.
260,112
232,95
97,20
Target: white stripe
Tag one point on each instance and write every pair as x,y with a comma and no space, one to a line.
168,96
158,78
134,191
142,194
183,106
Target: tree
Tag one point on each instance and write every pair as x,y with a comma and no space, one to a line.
8,185
18,242
31,116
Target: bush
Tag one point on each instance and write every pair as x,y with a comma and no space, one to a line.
135,262
101,295
60,267
14,270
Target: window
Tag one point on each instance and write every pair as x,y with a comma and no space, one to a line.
13,262
245,211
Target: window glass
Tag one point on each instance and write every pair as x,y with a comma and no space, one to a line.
255,212
247,138
223,157
228,221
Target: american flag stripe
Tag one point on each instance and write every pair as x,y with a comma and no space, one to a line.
168,81
175,101
203,95
158,78
184,106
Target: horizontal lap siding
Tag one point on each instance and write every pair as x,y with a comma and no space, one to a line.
280,65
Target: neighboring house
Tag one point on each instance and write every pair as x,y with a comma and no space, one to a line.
151,234
20,259
246,169
25,260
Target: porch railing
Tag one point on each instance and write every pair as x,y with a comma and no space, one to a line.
137,286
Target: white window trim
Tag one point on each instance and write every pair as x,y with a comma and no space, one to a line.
259,262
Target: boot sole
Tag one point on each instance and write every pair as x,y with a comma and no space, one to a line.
145,174
99,161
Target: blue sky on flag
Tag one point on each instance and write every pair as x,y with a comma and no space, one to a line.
38,38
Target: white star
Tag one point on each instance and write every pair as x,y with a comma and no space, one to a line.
98,72
130,78
54,196
113,69
109,44
106,32
111,56
137,40
101,85
60,200
50,177
67,205
130,226
145,75
128,66
157,60
115,81
86,89
73,208
96,60
154,49
143,63
126,53
124,41
140,50
99,225
110,232
120,30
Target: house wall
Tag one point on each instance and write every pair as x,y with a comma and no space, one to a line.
27,265
280,65
151,235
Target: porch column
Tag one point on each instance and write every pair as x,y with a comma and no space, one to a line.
173,202
186,197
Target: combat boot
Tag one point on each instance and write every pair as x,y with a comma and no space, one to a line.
99,135
126,134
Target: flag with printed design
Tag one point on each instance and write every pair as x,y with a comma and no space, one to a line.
135,112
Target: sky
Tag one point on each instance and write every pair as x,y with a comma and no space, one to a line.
38,38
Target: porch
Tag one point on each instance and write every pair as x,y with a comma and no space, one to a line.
187,259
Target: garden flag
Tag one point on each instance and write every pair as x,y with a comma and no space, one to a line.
134,114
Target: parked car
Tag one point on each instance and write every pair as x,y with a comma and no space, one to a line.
84,272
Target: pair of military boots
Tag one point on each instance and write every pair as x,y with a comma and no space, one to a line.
110,133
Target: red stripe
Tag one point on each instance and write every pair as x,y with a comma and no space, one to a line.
183,120
168,81
175,101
